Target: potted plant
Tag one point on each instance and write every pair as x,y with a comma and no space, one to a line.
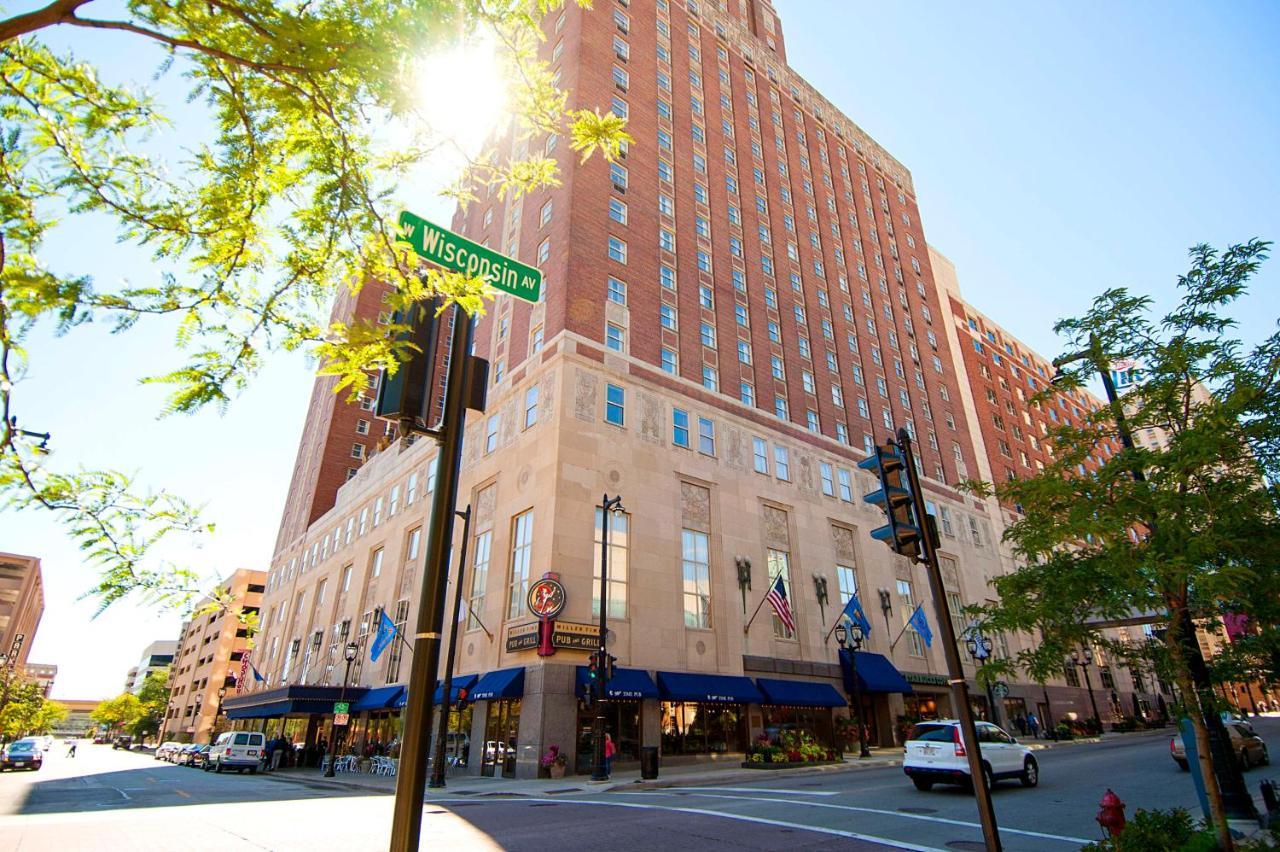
554,762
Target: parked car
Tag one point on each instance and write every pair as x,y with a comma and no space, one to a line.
165,749
1245,742
239,750
200,756
22,754
176,755
189,754
99,739
123,741
935,754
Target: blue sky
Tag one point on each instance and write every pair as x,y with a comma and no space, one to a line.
1057,149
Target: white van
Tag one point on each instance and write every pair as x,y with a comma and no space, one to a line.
238,750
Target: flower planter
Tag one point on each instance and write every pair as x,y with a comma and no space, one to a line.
746,764
556,771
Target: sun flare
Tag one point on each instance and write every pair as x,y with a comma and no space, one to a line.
463,93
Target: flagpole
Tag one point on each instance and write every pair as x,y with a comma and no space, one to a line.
894,643
751,620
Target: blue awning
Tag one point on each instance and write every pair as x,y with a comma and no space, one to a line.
461,689
261,711
800,693
875,673
495,686
379,699
714,689
625,684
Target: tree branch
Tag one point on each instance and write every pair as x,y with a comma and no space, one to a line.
55,13
188,44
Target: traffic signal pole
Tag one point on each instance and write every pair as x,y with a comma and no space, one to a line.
955,672
406,824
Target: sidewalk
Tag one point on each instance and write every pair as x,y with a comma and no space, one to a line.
701,774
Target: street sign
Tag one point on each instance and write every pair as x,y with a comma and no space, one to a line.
1000,689
341,707
341,719
459,254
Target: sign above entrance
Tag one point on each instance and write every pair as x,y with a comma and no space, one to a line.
342,707
459,254
1000,689
564,634
925,679
546,598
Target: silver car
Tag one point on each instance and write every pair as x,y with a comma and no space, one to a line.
1249,748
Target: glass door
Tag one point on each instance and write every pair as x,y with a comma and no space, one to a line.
501,730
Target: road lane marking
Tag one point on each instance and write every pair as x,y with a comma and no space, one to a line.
852,835
883,812
757,790
183,793
127,797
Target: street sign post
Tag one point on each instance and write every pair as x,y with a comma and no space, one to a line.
340,720
459,254
341,708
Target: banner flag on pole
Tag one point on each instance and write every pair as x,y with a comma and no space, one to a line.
921,625
386,632
854,612
777,599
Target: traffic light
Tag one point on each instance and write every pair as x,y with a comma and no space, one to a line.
610,662
405,395
593,667
902,533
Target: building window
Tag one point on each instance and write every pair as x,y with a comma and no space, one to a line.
479,578
618,210
780,566
530,406
668,360
907,608
357,451
619,542
411,551
828,479
362,427
614,404
710,379
847,580
521,557
617,250
782,462
846,485
376,569
680,427
397,648
746,393
617,291
760,455
697,580
491,434
615,337
706,436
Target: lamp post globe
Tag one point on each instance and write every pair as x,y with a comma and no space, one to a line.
841,633
855,637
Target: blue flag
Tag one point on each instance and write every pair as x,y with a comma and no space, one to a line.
257,675
921,625
386,632
854,612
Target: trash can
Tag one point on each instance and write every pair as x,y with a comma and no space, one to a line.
649,762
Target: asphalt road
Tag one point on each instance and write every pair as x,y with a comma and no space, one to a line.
106,800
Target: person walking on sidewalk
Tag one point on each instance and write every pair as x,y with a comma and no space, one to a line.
71,750
1034,725
609,751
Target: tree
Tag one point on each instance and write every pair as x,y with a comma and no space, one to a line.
1181,531
119,713
286,199
153,701
26,712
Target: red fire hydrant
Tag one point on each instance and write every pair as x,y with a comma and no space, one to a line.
1111,813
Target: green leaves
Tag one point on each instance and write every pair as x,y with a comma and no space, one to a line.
286,195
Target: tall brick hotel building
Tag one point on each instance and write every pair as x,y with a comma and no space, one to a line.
732,313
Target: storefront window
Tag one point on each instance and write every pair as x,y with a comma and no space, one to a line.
814,721
622,722
689,728
501,730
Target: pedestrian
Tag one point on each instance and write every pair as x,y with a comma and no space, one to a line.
1034,724
268,751
71,750
609,751
1020,722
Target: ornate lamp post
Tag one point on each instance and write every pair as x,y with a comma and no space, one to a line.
980,650
599,772
222,691
854,637
349,653
1084,663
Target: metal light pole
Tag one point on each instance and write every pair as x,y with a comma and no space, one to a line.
442,726
854,636
598,770
1084,666
222,691
980,650
411,779
349,653
955,671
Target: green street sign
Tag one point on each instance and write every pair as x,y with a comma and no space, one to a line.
341,707
459,254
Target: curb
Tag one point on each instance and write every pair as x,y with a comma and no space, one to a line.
754,775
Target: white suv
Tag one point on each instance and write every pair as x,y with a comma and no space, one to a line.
935,754
238,750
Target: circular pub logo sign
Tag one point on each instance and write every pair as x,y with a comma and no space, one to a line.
546,598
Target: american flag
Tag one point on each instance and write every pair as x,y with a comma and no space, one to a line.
777,599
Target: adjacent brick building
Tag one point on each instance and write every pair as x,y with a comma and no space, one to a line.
21,606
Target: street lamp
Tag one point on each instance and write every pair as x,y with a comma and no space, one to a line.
599,772
980,650
1084,664
854,637
222,691
349,653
